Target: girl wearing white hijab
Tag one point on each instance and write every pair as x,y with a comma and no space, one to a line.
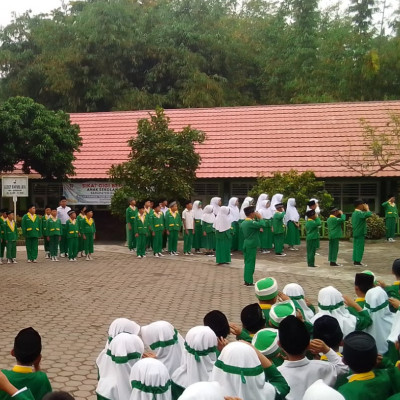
198,234
207,223
276,198
266,235
317,211
114,370
203,391
296,293
240,373
331,302
223,236
261,197
291,220
216,204
198,359
235,215
320,390
165,341
150,381
377,303
246,203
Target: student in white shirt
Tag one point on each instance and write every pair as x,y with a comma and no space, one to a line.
188,228
62,215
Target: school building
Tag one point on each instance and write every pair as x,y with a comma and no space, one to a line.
242,143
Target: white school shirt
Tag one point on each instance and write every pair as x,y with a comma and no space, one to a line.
300,375
62,214
164,210
188,218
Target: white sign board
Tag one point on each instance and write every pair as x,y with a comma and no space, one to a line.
15,186
91,193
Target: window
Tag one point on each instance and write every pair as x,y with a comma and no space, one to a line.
241,190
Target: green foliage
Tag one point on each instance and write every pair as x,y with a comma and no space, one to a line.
40,139
375,227
162,163
302,187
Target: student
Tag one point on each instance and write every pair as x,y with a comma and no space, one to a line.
261,197
266,240
216,204
141,230
359,223
299,372
362,283
279,311
320,390
242,216
3,219
62,215
251,228
335,223
148,210
30,225
207,223
393,290
266,341
278,229
391,218
223,236
53,230
276,199
88,231
73,233
130,215
327,329
218,322
46,216
291,221
266,290
188,228
312,228
205,391
164,209
173,224
10,237
313,205
157,228
26,373
79,218
297,295
198,232
234,213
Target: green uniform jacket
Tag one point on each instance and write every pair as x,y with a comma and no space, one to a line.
363,318
31,228
72,230
8,233
142,228
390,211
359,222
277,223
251,231
53,228
173,223
130,215
335,226
312,228
44,225
157,223
86,227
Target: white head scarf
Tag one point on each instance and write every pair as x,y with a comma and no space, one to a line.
203,391
320,390
124,351
247,202
215,204
230,371
235,212
208,215
261,197
150,380
197,210
376,302
276,198
330,302
317,210
291,212
265,209
223,220
296,292
198,358
395,331
166,342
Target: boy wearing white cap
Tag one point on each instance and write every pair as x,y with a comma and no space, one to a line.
266,341
266,290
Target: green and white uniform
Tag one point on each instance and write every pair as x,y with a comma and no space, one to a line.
130,215
53,230
391,218
278,228
88,229
141,228
312,239
223,236
359,223
334,234
10,237
31,230
173,224
157,227
72,233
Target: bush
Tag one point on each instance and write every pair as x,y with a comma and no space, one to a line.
375,227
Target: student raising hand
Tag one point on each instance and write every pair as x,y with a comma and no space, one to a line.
317,346
395,303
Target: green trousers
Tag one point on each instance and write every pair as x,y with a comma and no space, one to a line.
279,240
2,248
73,243
333,250
187,241
312,245
157,242
53,245
164,240
11,247
390,227
173,241
131,239
222,248
149,241
241,236
88,243
63,241
141,242
249,254
46,244
358,248
235,237
31,245
266,238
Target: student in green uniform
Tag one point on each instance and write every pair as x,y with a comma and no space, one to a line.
207,224
188,228
148,209
164,209
88,231
359,223
391,218
266,341
79,218
278,229
335,223
73,233
157,228
312,228
234,213
393,290
53,230
248,201
266,240
10,238
3,218
31,230
362,283
173,224
266,290
223,236
46,216
141,230
27,352
291,220
198,240
13,392
130,215
252,319
251,233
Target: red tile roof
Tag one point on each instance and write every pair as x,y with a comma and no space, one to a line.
243,142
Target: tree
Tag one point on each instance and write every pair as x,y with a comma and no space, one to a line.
162,163
301,186
362,13
40,139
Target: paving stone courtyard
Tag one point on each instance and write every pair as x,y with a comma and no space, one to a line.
72,304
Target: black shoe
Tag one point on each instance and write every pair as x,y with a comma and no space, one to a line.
358,264
333,264
248,284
